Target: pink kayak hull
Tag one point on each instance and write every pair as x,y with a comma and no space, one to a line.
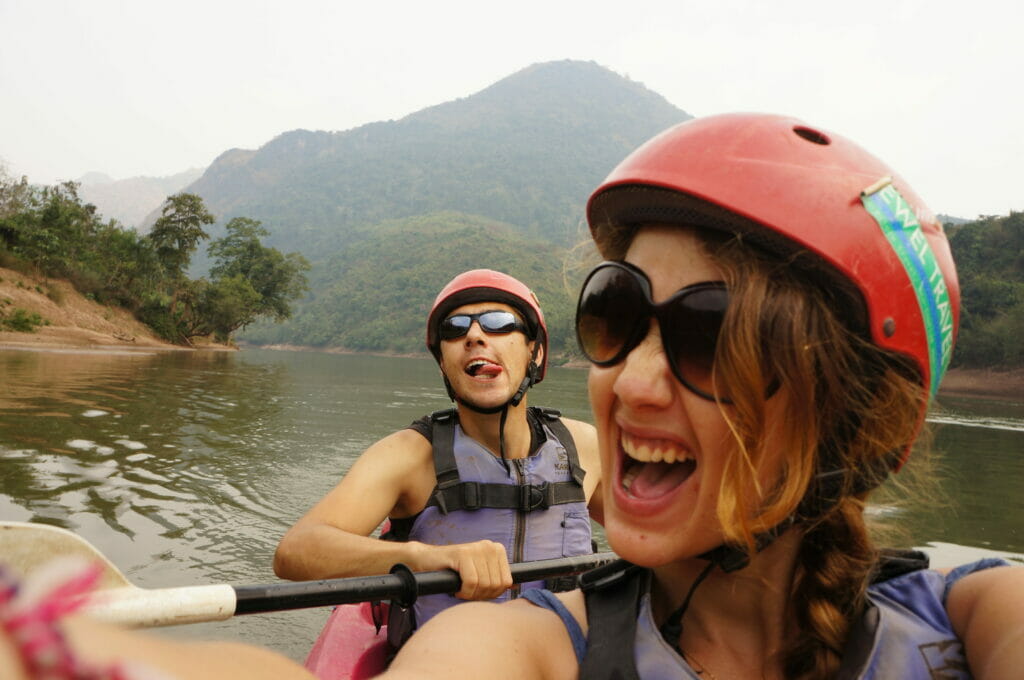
349,646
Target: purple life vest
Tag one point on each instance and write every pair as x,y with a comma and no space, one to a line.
537,512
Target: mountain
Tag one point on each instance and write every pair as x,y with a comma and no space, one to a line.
129,201
949,219
525,151
390,211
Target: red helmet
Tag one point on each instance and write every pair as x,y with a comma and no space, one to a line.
790,186
486,285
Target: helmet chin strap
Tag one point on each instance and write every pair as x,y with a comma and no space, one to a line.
532,371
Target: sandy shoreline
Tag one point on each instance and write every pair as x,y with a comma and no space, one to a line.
983,383
73,322
77,324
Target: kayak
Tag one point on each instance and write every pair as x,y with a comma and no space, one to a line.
350,647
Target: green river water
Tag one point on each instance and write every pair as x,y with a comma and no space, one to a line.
185,468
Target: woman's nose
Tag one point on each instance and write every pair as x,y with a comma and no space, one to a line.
645,378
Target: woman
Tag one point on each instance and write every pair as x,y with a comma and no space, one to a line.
776,311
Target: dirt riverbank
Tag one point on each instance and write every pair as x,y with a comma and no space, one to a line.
72,320
984,383
79,323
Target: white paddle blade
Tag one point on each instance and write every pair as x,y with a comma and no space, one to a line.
26,547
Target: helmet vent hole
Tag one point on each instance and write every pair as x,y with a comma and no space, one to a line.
812,136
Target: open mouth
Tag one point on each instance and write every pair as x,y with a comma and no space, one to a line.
482,368
653,468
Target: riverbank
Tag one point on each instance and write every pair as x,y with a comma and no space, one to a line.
72,321
75,322
984,383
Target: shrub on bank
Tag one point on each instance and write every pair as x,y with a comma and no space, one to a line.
21,321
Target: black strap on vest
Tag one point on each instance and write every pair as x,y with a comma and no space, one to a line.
452,494
612,594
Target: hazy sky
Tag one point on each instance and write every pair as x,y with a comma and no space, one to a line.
136,87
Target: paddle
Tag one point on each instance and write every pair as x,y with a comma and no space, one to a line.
25,547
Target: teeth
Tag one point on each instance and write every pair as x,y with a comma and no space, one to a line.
629,476
654,451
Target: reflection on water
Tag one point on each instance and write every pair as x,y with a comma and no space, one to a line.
186,467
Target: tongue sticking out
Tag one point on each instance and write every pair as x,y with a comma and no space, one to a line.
488,369
657,479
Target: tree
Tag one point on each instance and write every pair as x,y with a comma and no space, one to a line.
225,305
177,233
175,236
14,194
258,281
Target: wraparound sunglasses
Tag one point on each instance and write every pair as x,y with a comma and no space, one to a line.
614,313
491,321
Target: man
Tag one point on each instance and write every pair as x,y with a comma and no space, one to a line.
471,489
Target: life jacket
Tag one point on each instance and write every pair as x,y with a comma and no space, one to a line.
904,633
537,508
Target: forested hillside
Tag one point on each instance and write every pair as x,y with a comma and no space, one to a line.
375,295
390,211
525,151
989,255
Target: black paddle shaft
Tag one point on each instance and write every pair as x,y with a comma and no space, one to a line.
303,594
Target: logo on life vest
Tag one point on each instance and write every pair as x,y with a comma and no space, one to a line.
945,660
562,463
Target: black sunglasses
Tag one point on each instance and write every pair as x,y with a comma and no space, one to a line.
491,321
614,314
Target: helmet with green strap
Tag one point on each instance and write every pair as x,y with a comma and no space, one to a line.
790,187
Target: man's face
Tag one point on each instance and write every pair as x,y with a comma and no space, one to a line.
486,368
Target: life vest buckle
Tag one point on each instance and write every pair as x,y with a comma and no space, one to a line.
535,497
471,496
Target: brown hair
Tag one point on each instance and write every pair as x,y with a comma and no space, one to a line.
850,410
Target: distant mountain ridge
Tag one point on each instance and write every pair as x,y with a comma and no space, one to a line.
130,200
389,211
525,151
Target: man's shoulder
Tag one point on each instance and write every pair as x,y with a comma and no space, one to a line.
424,425
404,447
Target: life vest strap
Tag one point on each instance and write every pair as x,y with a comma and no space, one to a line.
451,493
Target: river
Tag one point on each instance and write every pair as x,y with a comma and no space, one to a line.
185,468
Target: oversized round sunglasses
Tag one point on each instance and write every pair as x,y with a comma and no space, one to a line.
614,314
491,321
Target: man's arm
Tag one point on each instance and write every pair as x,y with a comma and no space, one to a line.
585,437
986,609
393,477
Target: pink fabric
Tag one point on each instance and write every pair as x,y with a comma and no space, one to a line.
33,627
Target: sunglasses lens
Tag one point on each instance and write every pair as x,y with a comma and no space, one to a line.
499,322
455,326
495,321
611,307
691,334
